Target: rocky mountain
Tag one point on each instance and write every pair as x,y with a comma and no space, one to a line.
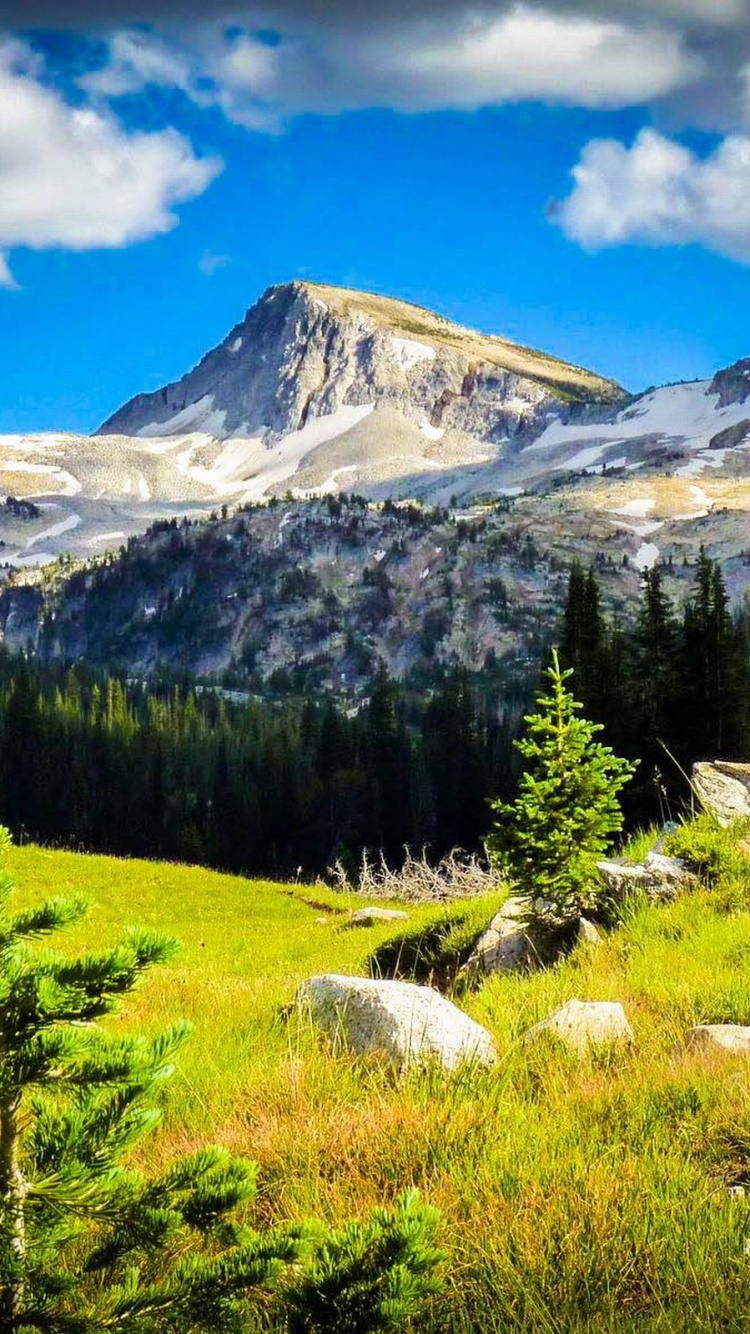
479,470
306,352
320,390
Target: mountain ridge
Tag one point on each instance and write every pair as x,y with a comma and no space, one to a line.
306,349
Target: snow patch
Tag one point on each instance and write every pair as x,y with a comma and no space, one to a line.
105,537
38,558
409,353
646,556
291,449
144,490
236,345
686,413
432,432
200,416
57,529
636,509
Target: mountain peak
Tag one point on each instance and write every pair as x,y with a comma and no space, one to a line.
306,348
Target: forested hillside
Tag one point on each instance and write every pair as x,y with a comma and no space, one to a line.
273,787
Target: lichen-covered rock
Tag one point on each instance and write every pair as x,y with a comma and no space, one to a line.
407,1024
506,946
727,1037
369,916
659,877
723,788
584,1024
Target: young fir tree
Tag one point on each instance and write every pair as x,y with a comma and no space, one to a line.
549,840
88,1243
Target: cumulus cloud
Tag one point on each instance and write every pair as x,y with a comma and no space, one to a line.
466,61
657,192
72,176
262,62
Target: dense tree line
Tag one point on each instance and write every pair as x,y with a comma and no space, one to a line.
670,688
89,760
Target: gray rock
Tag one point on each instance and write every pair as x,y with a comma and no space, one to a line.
723,789
505,947
369,916
729,1037
406,1024
584,1024
659,877
588,934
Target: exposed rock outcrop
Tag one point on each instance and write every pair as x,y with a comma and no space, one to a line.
406,1024
658,877
505,947
305,350
723,788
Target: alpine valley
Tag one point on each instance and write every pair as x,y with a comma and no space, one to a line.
349,479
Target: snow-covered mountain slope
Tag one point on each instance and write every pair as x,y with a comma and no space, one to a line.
321,389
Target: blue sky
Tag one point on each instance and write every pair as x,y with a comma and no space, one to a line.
444,204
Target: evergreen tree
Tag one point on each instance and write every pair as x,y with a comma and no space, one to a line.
549,840
369,1278
583,638
87,1243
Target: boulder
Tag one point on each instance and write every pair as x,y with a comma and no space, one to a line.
407,1024
658,877
723,788
588,933
505,947
584,1024
727,1037
369,916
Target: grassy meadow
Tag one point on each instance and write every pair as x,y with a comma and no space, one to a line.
592,1194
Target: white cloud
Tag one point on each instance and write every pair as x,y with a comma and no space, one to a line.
531,54
74,177
210,263
466,60
135,60
660,193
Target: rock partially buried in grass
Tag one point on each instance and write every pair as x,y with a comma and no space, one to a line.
659,878
407,1024
505,947
587,933
369,916
723,788
727,1037
584,1024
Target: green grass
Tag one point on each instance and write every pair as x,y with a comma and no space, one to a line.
577,1195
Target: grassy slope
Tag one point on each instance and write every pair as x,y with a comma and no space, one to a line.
576,1195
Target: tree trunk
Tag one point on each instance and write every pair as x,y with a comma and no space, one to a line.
13,1193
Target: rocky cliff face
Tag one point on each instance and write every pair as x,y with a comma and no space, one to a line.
306,351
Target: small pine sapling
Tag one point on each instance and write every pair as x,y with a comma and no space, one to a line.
548,842
88,1243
